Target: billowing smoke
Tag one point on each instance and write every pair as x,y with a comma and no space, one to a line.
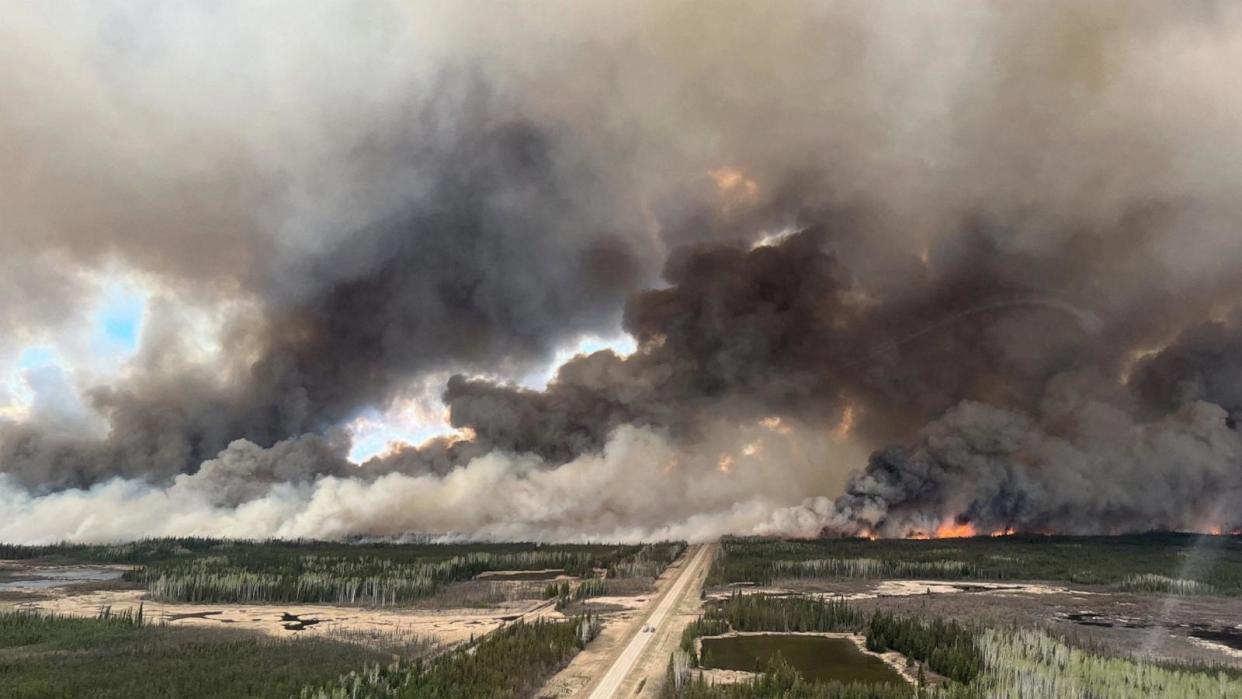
994,244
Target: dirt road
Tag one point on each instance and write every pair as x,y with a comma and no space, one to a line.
636,662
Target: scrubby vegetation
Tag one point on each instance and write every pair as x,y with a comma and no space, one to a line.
1028,664
1149,582
373,574
1149,562
511,662
119,656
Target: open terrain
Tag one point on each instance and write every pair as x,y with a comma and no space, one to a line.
1146,615
382,606
960,617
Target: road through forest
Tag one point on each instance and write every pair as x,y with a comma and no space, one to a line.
692,571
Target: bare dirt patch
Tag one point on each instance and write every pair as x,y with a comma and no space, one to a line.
443,626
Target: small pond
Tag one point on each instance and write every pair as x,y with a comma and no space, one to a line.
816,657
47,578
520,575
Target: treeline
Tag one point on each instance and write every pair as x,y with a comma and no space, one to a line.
770,613
947,647
1146,562
872,569
370,575
648,562
782,681
576,559
566,594
782,613
511,662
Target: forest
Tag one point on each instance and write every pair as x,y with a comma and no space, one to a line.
1154,562
119,655
371,574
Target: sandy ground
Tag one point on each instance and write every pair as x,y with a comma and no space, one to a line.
77,590
620,625
446,626
855,590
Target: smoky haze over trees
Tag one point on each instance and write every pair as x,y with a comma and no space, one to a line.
1008,273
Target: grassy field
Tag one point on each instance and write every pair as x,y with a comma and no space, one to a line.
1161,563
48,657
373,574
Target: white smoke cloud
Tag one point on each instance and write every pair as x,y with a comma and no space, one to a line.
639,488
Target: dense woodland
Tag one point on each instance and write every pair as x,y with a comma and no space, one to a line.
947,647
510,663
118,656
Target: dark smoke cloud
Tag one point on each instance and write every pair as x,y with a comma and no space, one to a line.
997,470
1010,262
426,286
1204,363
738,333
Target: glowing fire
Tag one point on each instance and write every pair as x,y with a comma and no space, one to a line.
948,529
846,425
730,181
726,463
774,423
751,449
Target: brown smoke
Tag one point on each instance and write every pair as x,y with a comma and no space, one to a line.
1005,236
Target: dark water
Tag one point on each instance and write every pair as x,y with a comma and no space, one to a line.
47,578
816,657
508,575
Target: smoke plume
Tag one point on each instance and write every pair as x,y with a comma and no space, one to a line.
994,245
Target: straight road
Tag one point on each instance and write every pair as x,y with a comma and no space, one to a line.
698,559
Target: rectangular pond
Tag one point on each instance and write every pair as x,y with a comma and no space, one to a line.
816,657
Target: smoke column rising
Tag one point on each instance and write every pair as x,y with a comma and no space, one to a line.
993,244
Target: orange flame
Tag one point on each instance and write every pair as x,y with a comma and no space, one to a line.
948,529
